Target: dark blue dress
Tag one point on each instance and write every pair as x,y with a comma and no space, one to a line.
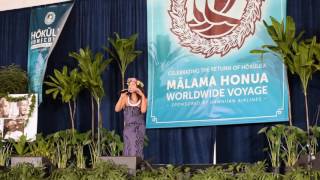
134,131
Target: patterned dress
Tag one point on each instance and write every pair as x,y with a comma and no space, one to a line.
134,130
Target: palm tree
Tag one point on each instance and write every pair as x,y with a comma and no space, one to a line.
92,66
123,51
68,86
299,56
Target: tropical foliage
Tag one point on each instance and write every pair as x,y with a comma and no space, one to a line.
274,136
123,51
92,67
14,80
301,57
5,152
68,86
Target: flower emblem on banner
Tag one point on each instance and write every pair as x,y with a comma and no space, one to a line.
50,18
215,28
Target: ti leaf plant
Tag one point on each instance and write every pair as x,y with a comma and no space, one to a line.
274,136
124,52
285,43
92,66
299,56
292,147
68,87
21,146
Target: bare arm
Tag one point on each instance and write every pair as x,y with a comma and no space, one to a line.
121,102
143,107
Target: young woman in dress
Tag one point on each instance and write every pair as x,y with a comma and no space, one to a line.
134,105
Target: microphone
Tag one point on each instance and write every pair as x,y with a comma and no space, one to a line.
124,91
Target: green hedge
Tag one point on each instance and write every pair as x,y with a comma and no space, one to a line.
108,171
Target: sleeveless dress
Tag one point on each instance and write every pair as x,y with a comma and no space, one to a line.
134,130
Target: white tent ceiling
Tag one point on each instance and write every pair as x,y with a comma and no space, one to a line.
16,4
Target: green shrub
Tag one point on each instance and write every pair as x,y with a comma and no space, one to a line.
23,172
13,80
106,171
67,174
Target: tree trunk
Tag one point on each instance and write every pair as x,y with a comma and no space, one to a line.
92,118
308,129
122,77
74,113
99,126
307,113
289,94
71,117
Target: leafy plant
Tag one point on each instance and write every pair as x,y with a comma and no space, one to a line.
5,152
14,80
256,171
285,39
292,146
300,173
168,172
106,170
111,143
274,135
146,175
92,66
94,153
283,36
67,174
80,140
68,87
24,171
61,142
21,146
171,172
41,147
298,55
123,50
315,135
214,172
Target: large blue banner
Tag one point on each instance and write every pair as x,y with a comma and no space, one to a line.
46,24
199,67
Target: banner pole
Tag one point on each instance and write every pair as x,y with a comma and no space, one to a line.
215,146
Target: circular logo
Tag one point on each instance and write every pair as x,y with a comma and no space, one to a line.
50,17
214,27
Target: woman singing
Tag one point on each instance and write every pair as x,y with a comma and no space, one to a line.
134,104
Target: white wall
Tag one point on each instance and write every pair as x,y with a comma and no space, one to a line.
16,4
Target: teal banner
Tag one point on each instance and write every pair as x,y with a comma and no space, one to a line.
46,24
200,70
